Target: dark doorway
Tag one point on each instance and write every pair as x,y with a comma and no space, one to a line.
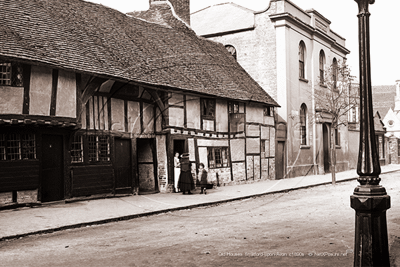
146,165
122,166
326,146
179,146
280,160
52,168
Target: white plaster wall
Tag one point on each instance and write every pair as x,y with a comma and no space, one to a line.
66,94
40,91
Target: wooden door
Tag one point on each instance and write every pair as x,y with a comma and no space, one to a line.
146,165
52,168
326,145
122,166
280,160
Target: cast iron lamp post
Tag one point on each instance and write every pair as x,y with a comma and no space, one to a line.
369,199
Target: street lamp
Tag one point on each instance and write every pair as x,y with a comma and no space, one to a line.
369,199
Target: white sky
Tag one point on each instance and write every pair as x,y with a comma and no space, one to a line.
342,14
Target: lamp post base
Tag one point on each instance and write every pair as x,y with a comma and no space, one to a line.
371,239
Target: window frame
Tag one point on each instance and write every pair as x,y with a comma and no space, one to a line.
337,137
218,152
334,73
11,74
92,149
207,111
302,54
15,146
303,125
232,50
322,67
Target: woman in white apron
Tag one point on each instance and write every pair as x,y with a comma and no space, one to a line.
177,171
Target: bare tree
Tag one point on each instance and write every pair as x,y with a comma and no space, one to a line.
334,97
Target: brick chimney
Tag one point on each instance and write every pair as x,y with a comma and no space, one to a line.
181,7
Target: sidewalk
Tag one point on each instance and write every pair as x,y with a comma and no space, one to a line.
58,216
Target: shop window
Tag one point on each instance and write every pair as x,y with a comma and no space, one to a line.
218,157
16,146
11,74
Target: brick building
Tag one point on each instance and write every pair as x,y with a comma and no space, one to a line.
285,49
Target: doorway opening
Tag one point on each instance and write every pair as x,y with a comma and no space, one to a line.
326,146
146,159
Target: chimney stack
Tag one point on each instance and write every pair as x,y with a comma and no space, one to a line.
181,7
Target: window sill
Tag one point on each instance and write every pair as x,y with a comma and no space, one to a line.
303,80
305,147
323,85
338,147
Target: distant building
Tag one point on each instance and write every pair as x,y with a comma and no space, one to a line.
285,49
387,102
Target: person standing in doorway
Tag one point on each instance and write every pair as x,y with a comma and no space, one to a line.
185,179
177,171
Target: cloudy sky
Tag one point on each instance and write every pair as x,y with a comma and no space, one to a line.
343,14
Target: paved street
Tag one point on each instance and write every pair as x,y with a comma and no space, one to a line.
306,227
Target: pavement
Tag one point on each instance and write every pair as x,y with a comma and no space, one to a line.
51,217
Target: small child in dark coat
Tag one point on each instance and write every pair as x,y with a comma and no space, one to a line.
202,178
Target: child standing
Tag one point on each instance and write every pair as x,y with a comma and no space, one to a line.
203,178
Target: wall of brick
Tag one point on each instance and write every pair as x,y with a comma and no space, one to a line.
28,196
5,198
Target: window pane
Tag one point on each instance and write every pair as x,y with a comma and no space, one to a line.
92,143
211,162
5,73
218,157
104,148
77,149
28,146
17,75
2,146
13,147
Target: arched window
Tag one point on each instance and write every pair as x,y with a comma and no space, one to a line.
232,50
302,52
303,124
334,73
321,67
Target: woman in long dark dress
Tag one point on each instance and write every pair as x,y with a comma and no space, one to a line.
185,179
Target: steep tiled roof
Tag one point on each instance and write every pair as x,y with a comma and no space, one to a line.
383,98
91,38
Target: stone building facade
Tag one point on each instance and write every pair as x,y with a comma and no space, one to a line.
285,49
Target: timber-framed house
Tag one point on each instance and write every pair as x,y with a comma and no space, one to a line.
96,102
